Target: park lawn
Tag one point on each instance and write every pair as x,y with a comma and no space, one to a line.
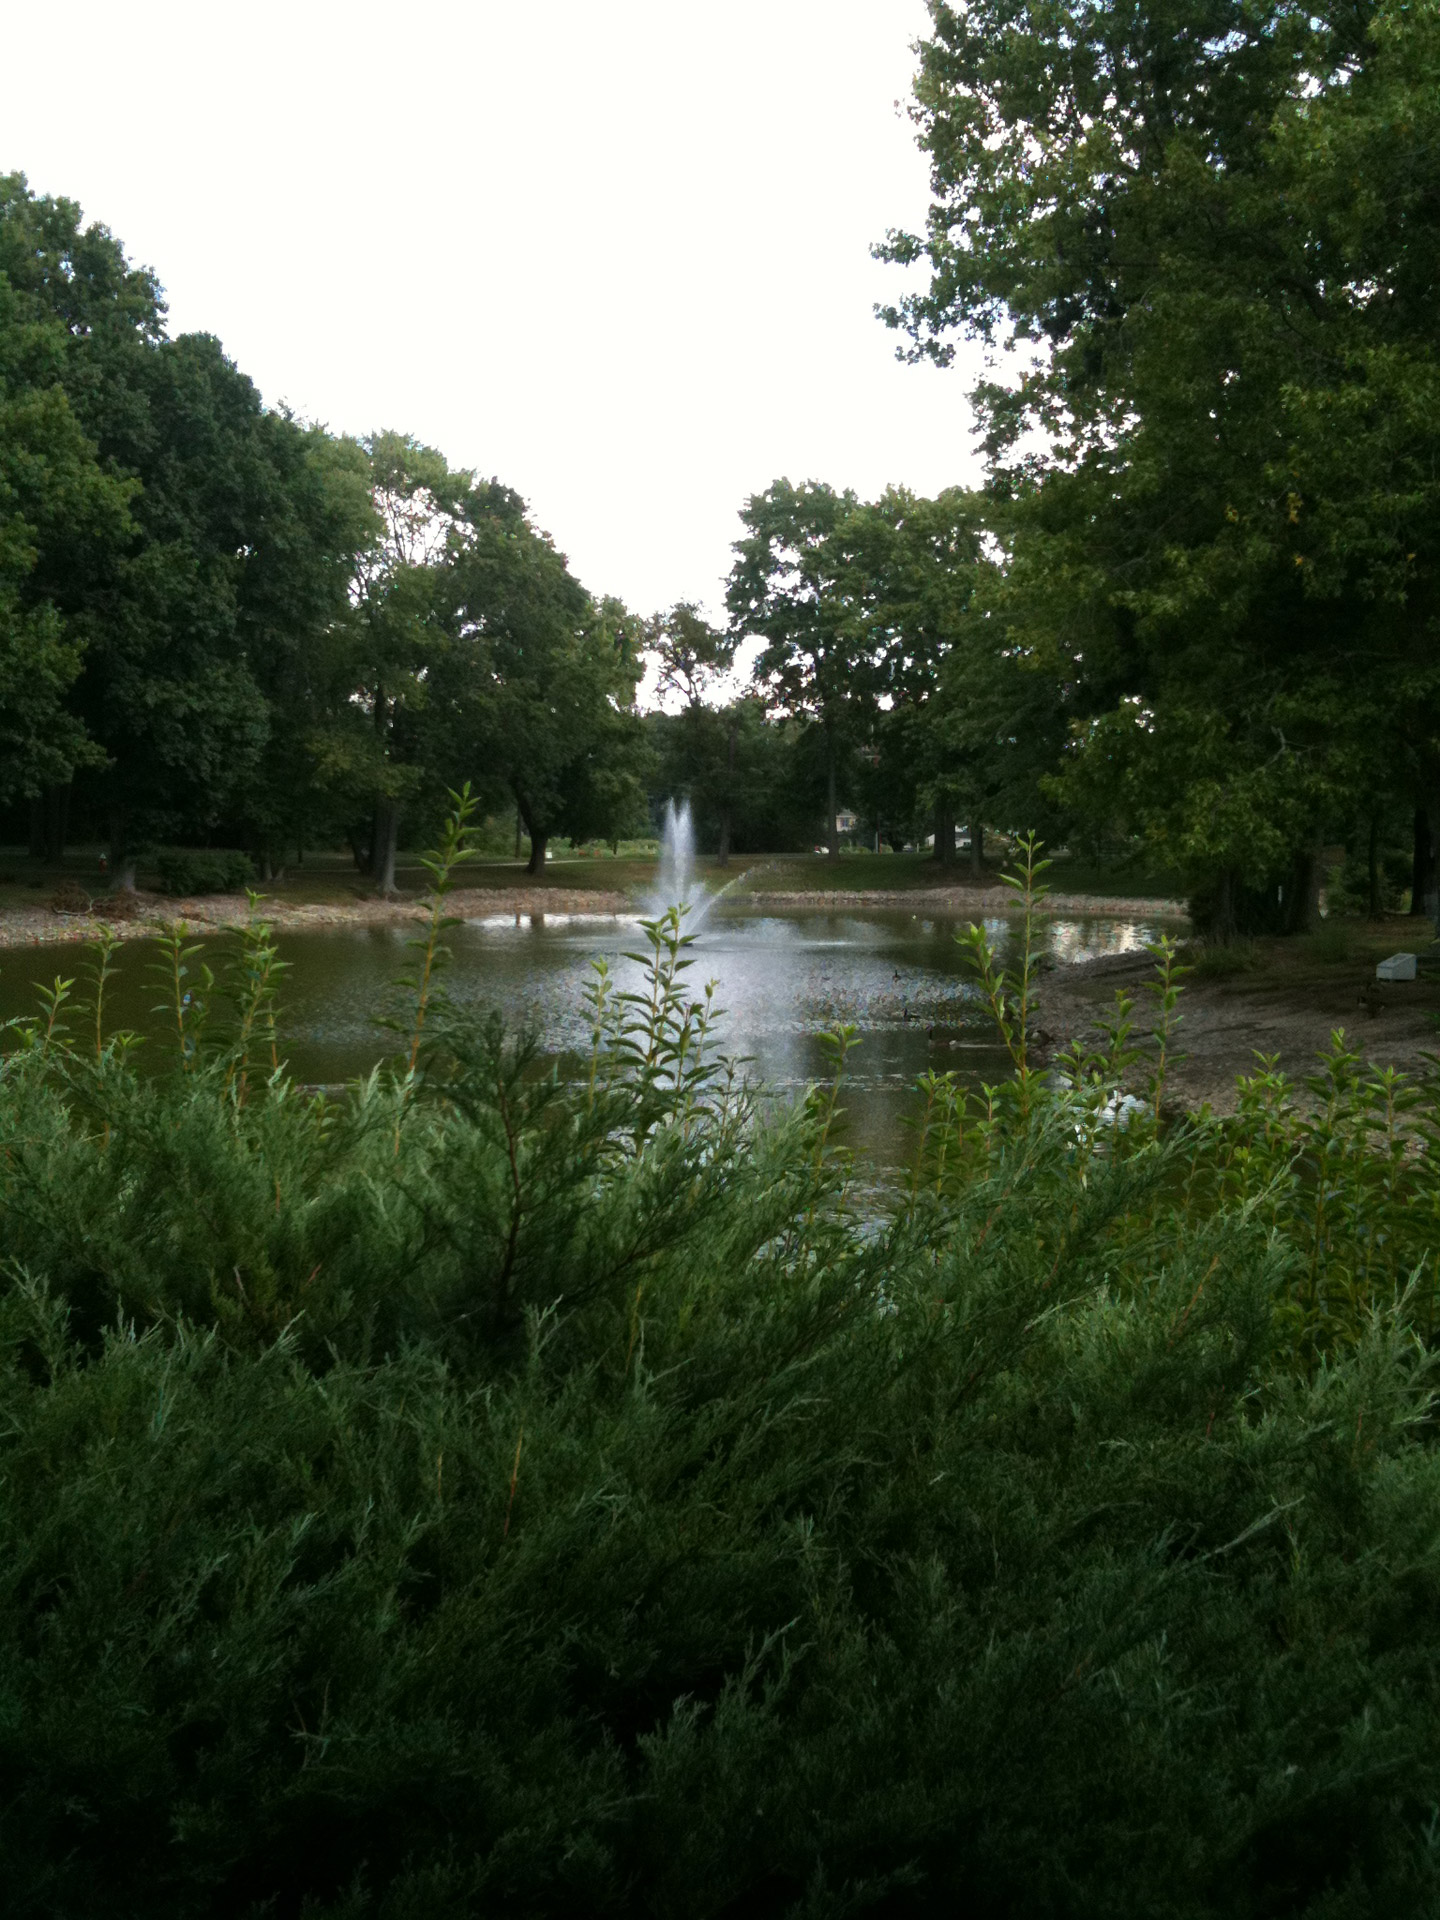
915,872
329,878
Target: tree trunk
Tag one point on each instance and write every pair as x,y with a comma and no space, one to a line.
57,821
386,825
1315,884
1373,851
536,862
1222,929
1306,880
519,823
37,826
944,835
832,828
122,861
1421,862
722,857
382,844
977,848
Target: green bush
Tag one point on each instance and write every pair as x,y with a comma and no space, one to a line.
1223,960
188,870
1332,943
486,1494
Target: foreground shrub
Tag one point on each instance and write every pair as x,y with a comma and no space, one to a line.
487,1495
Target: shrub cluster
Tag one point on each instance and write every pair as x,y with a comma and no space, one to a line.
190,870
486,1494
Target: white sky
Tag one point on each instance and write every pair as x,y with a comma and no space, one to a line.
616,254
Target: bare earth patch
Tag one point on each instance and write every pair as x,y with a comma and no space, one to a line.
1289,1007
139,916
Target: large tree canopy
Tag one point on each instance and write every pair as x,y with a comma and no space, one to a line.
788,588
545,681
1203,242
239,623
183,551
63,522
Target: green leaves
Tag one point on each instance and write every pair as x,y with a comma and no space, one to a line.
494,1487
1215,438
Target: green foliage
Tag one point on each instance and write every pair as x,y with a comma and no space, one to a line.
787,589
742,770
1212,412
1224,961
542,693
222,618
876,643
487,1492
63,518
186,870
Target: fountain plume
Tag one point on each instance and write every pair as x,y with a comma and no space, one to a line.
676,875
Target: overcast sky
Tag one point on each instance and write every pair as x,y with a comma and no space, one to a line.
616,253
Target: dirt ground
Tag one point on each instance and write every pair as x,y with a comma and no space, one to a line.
1288,1000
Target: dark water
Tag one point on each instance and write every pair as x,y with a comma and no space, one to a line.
783,978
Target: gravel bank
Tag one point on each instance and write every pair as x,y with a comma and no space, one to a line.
145,913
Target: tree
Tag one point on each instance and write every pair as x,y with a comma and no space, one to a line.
540,687
296,622
908,577
790,587
171,688
188,574
382,742
62,521
1169,217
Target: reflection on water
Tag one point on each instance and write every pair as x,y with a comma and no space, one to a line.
782,978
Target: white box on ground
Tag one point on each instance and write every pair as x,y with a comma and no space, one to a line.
1400,966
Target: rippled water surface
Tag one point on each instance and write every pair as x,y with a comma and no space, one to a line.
783,978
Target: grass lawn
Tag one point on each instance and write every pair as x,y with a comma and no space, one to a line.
909,872
330,878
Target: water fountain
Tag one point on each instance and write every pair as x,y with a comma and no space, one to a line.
675,876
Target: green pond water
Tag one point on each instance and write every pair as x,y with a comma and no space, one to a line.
783,978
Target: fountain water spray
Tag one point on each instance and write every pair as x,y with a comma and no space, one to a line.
676,874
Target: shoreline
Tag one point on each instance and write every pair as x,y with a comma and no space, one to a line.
991,900
151,914
147,914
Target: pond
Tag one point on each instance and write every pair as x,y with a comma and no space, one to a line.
783,979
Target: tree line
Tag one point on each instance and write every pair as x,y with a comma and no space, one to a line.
218,621
1192,609
1189,613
